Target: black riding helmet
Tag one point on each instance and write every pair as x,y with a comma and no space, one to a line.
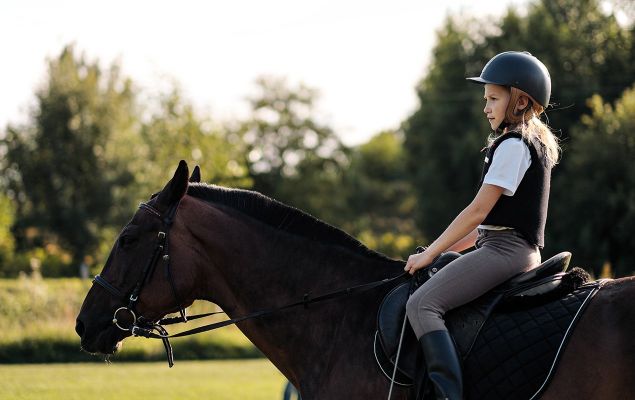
520,70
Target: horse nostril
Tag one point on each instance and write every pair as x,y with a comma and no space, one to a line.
79,328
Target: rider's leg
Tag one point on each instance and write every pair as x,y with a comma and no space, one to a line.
500,255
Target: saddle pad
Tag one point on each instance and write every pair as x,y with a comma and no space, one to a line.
516,351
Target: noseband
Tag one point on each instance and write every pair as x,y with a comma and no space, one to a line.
160,253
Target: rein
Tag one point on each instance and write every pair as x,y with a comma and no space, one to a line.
141,327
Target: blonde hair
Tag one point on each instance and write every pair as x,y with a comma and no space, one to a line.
529,125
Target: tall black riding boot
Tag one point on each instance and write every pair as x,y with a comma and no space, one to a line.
443,365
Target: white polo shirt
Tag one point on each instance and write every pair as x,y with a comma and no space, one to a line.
511,160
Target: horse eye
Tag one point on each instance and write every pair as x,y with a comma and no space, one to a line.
124,241
127,238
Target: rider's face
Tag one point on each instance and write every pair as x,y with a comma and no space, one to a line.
496,100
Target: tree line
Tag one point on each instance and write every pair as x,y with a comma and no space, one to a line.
93,147
591,61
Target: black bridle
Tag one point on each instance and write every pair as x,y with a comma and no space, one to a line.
140,326
160,253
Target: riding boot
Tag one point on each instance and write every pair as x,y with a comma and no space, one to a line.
421,385
443,365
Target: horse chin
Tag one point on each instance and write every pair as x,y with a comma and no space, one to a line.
107,342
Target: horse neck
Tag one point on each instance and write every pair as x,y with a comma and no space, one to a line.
256,267
244,253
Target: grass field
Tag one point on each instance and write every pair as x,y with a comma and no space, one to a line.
218,380
37,317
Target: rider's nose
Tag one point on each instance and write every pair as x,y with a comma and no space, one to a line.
79,328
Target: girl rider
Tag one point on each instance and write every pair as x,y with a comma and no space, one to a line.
506,219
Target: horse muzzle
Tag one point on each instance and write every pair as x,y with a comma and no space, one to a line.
100,341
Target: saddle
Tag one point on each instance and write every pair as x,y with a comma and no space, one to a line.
545,296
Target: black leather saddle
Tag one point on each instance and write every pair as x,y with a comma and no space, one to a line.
464,323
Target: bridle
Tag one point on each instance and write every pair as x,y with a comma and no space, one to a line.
141,326
160,253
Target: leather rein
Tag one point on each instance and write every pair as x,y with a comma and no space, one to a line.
142,327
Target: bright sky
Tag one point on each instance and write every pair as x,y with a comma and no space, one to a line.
365,57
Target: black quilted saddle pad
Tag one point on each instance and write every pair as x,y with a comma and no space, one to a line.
516,351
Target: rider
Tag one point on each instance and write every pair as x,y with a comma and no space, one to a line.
506,219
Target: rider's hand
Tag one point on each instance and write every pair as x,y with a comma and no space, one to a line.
418,261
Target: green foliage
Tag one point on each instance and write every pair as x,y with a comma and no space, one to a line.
47,261
31,308
74,173
7,243
291,155
380,199
57,173
442,136
602,156
175,131
171,132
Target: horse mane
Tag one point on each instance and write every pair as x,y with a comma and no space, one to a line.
281,216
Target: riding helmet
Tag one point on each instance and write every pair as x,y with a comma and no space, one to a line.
520,70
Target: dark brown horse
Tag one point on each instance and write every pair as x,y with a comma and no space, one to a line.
246,252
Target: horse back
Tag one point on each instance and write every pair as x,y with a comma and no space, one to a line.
599,361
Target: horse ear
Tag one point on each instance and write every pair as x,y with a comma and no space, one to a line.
175,189
196,175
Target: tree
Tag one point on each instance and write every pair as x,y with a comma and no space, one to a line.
442,136
7,244
174,132
56,169
291,155
381,201
602,156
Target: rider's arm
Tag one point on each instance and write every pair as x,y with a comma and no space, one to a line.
465,243
466,222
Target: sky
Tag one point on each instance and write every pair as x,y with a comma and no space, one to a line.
215,50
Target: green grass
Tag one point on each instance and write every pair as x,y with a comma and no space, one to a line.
219,380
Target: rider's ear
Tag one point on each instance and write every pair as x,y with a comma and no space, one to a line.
196,175
175,189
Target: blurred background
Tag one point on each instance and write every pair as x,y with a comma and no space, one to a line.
356,112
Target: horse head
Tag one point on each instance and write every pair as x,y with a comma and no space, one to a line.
128,291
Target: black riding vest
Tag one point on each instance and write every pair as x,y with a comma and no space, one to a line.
526,210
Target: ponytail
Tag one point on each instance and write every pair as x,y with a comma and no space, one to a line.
534,127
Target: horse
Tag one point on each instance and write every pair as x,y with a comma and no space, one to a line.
246,252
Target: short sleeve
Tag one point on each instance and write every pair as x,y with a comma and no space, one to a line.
510,162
